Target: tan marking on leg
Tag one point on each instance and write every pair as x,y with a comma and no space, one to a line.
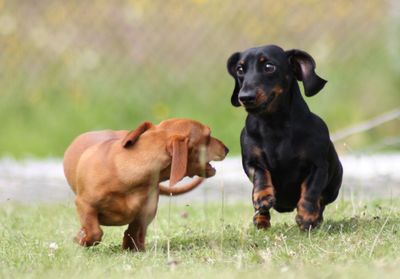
269,191
262,221
304,217
264,196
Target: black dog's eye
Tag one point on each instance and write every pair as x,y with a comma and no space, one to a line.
269,68
239,70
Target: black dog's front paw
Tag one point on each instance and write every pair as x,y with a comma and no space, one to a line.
309,215
262,220
308,221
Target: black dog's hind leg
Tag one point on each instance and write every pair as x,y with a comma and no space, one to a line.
311,206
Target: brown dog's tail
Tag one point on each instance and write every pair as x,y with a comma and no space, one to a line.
179,190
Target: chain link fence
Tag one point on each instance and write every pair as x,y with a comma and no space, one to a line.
71,66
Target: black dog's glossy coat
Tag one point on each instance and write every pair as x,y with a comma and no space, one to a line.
286,149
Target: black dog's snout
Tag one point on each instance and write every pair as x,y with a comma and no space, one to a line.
247,98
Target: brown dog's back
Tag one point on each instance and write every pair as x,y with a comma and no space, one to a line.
79,145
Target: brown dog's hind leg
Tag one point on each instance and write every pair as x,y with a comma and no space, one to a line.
134,237
263,198
90,233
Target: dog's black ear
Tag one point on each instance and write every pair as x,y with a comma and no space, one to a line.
303,66
231,65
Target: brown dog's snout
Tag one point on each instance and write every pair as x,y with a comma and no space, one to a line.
226,150
218,149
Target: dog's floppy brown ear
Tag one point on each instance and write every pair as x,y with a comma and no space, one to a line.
303,66
231,66
134,135
178,148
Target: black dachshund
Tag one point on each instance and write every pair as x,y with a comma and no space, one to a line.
286,149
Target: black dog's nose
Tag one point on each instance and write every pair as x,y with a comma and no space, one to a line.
247,98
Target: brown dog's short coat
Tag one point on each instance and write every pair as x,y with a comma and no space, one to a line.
115,174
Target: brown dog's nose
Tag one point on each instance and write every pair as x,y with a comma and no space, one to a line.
226,150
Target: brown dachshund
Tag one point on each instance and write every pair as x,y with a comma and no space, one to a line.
116,174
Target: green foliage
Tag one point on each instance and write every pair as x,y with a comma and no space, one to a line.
357,240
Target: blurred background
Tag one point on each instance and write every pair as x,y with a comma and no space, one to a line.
71,66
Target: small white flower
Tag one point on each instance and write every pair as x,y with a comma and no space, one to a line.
53,246
284,268
127,267
266,255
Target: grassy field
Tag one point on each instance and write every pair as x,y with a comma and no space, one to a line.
357,240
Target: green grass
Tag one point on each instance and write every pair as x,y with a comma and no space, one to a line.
357,240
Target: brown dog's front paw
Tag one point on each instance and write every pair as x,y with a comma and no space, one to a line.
262,221
308,221
87,240
80,237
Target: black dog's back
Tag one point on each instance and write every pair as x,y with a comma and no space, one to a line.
286,150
